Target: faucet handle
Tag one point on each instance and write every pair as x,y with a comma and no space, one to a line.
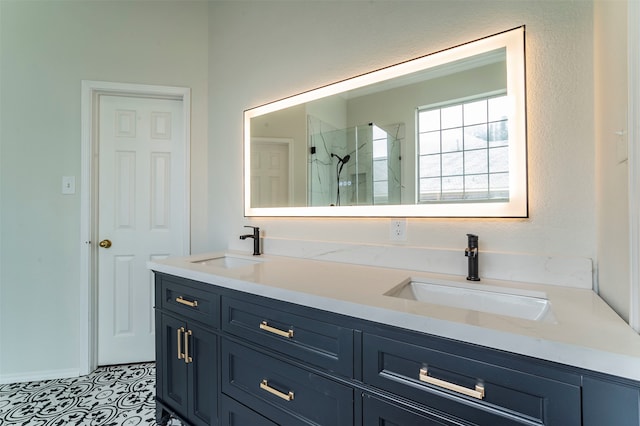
471,252
256,230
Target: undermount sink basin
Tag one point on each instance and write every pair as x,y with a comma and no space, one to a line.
228,261
531,305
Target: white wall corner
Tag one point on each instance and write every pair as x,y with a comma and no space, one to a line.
633,49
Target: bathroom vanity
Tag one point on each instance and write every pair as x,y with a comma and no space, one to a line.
283,341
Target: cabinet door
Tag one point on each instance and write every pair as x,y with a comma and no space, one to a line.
381,413
610,403
171,369
201,347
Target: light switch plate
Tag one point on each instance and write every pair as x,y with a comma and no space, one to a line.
68,185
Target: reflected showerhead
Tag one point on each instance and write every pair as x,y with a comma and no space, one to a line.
342,160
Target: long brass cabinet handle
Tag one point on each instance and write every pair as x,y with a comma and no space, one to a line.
184,301
477,393
180,333
266,327
187,358
286,396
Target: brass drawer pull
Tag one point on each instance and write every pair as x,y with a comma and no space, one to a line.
477,393
183,301
187,358
180,354
288,334
286,396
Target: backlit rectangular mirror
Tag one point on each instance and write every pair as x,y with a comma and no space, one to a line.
443,135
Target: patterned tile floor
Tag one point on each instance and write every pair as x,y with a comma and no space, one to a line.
111,396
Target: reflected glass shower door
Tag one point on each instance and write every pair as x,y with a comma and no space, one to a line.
358,165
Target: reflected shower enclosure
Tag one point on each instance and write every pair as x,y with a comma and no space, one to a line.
359,165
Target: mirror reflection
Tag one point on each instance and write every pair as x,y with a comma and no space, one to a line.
441,135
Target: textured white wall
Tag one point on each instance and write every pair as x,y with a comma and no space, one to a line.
265,50
255,52
46,49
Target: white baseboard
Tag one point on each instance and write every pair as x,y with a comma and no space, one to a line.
35,376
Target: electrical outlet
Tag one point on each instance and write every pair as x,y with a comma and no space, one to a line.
398,230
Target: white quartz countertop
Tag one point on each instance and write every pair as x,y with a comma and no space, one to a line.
582,331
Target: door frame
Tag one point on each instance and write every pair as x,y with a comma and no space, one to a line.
90,92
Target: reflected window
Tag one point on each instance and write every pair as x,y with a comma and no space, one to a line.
380,166
464,151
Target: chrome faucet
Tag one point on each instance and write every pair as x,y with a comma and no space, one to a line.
256,239
472,254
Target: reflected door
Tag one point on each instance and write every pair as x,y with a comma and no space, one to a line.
270,177
141,180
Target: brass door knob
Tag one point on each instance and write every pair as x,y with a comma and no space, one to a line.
105,243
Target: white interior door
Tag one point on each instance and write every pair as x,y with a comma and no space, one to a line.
140,184
270,174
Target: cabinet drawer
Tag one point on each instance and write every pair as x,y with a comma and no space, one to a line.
188,301
232,413
280,391
447,382
377,412
309,340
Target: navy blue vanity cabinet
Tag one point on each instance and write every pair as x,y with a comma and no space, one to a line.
231,358
186,352
455,379
300,333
